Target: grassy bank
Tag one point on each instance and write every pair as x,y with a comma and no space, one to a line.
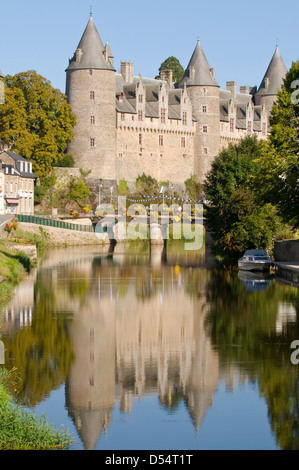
13,267
23,430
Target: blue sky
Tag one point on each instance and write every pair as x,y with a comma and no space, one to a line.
238,38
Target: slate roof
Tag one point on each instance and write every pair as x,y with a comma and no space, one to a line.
202,73
127,103
92,51
18,158
275,72
241,101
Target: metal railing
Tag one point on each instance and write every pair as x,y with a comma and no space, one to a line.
32,219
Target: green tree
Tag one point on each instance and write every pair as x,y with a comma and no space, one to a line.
279,162
36,120
237,215
172,63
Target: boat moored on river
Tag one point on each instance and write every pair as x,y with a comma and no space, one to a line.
255,260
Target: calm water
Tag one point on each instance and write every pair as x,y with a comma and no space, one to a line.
133,350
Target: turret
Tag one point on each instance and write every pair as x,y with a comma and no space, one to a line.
90,89
272,82
203,91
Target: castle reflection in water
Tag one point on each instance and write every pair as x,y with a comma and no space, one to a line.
138,328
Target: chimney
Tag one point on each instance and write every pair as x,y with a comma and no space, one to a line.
127,71
212,72
166,75
244,90
266,83
232,87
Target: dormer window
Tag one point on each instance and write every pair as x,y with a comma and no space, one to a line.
140,98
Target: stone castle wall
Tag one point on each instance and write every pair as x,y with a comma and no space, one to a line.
165,153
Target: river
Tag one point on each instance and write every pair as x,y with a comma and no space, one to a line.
133,349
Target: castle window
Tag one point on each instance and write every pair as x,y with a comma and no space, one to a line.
161,140
90,72
204,109
140,98
205,151
249,127
132,117
184,118
122,116
92,120
163,114
92,142
92,95
140,139
205,129
140,116
231,125
183,142
204,91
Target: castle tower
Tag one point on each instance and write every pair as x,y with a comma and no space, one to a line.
90,89
272,82
203,91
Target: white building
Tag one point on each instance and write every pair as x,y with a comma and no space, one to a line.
17,196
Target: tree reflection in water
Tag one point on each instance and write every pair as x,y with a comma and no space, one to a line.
249,320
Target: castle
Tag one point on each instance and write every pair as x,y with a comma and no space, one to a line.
128,125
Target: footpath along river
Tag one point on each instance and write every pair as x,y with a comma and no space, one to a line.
138,350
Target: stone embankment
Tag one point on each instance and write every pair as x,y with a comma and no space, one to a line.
29,249
286,255
60,236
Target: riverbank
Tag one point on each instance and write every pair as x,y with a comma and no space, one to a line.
23,430
20,430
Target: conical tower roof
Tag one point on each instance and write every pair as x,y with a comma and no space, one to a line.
91,51
273,78
198,72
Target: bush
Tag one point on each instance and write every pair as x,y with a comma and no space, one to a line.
146,184
41,190
67,161
78,191
123,189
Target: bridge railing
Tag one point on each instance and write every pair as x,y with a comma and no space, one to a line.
32,219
